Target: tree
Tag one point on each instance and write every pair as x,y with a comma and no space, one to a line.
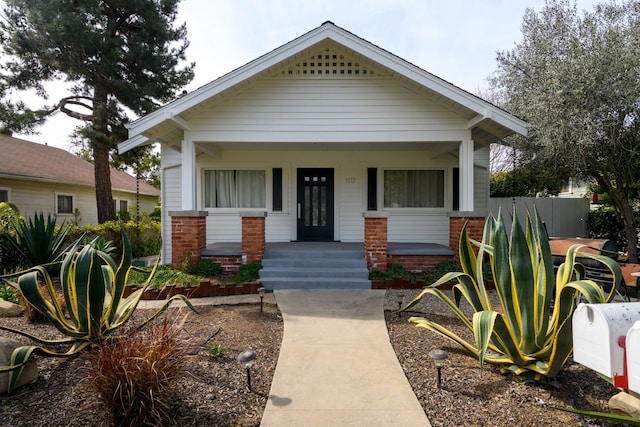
118,56
16,117
524,181
575,77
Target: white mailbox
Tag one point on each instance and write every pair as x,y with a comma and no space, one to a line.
633,357
597,329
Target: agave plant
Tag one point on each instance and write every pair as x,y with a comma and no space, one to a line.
530,334
37,241
93,286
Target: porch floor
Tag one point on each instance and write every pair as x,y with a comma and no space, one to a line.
235,248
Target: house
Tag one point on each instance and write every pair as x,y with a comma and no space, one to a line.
326,138
41,178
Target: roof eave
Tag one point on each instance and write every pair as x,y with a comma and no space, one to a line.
327,30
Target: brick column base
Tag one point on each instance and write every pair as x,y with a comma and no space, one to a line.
375,240
253,236
457,220
188,236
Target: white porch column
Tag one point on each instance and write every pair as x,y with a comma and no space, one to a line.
188,176
466,176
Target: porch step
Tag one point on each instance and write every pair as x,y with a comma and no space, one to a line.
306,265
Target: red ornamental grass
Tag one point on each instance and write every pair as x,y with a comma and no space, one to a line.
134,373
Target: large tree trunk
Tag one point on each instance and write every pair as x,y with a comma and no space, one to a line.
100,146
620,201
102,173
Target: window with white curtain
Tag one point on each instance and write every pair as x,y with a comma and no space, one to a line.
234,189
414,188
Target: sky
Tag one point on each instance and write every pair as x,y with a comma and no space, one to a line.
456,40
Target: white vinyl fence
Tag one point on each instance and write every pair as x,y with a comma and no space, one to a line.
563,216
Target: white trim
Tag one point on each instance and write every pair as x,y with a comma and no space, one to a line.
119,201
73,203
8,190
268,187
328,30
188,154
466,175
410,210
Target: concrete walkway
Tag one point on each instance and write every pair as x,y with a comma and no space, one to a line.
336,365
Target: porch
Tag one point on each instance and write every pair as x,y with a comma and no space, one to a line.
189,240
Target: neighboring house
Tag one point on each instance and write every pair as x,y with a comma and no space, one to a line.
40,178
326,138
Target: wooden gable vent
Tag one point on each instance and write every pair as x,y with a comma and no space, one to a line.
324,64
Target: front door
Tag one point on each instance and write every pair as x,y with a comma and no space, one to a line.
315,204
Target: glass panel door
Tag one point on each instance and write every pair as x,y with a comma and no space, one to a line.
315,204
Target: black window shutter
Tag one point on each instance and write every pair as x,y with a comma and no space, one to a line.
277,189
456,189
372,189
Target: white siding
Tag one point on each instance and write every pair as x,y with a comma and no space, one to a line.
348,125
33,196
278,227
171,201
351,195
406,228
224,227
350,174
290,110
481,180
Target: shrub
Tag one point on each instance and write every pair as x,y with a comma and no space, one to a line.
396,270
217,349
446,267
602,223
7,293
93,286
134,373
145,236
530,334
207,268
249,272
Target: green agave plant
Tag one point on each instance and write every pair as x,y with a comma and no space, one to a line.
93,287
530,334
37,240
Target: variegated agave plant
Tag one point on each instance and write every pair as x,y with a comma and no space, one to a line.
93,287
530,334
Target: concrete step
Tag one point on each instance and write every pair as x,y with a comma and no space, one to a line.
322,272
312,283
307,265
311,262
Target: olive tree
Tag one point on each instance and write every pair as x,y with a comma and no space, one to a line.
575,77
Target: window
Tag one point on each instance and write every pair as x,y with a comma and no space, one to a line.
120,205
414,188
64,204
234,189
4,195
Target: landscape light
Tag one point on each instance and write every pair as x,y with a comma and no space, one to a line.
438,357
261,293
400,298
246,359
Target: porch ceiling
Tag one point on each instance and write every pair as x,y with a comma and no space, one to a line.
436,147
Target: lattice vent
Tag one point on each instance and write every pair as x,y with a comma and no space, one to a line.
327,64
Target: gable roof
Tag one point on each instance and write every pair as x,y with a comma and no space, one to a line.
22,159
487,122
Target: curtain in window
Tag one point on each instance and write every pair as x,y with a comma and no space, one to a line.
413,188
234,189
